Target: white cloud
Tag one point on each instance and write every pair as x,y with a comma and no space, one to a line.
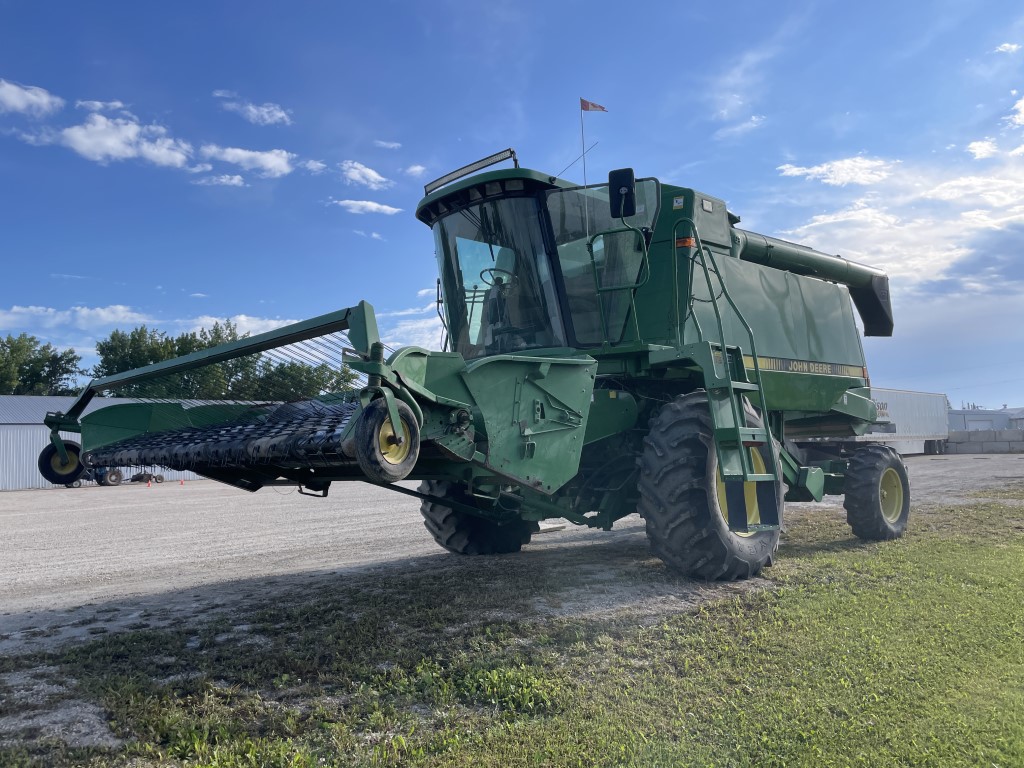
103,139
739,129
244,323
260,114
82,318
357,173
1007,48
423,292
431,307
99,106
371,235
313,166
197,296
387,144
920,221
416,170
199,168
271,164
983,149
421,332
222,94
732,90
366,206
224,180
839,173
28,100
994,191
1017,118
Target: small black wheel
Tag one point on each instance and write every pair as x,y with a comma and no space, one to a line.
682,496
466,534
56,472
158,478
877,494
114,476
489,276
75,484
385,454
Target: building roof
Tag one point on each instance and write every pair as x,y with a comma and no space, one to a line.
1013,413
31,409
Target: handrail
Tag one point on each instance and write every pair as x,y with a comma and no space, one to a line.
645,271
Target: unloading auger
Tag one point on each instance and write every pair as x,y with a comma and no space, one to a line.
609,349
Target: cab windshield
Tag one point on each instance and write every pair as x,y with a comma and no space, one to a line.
498,288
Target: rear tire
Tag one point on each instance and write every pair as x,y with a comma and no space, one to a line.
114,476
680,501
877,494
466,534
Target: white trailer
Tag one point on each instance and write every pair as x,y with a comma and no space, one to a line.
909,422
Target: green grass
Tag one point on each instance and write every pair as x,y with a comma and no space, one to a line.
904,653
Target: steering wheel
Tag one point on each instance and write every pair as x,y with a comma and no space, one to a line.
487,276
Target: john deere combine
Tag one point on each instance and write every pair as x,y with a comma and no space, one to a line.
609,349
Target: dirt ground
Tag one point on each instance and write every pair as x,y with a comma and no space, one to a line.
79,562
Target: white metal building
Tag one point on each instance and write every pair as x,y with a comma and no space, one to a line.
23,435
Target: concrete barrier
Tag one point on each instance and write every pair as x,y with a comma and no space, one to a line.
986,441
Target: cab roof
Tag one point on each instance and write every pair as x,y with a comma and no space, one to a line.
483,185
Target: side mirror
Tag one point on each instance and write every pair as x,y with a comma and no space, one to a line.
622,193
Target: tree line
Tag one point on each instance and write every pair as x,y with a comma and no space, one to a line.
30,367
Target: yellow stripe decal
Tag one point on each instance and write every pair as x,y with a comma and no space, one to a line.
784,365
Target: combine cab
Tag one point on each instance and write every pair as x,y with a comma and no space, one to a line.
609,349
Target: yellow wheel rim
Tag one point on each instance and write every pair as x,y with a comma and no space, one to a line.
64,469
393,452
749,493
890,494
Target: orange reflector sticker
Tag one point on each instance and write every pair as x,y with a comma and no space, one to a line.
686,242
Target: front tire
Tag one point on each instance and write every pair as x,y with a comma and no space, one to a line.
466,534
877,494
682,499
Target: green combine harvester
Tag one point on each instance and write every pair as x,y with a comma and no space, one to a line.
609,349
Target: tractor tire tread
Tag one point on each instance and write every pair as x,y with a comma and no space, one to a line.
465,534
676,498
862,502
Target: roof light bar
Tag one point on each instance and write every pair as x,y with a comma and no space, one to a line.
448,178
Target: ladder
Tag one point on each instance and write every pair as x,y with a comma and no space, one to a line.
727,381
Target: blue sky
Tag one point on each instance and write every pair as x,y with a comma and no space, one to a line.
171,164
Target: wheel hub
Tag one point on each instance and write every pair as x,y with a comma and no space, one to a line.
394,448
890,493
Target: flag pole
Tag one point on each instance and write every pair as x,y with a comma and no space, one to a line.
586,198
583,145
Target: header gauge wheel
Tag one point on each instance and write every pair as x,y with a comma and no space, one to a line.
387,453
56,472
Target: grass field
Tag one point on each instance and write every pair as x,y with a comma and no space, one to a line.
903,653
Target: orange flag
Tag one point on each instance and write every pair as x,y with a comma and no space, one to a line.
589,106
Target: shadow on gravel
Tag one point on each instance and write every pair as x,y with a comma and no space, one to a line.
595,573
